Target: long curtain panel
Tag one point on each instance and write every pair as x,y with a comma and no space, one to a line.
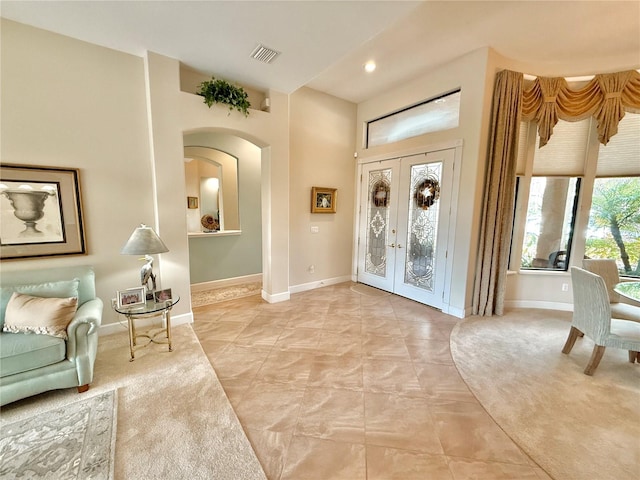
606,97
497,217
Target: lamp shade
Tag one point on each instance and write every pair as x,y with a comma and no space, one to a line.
144,241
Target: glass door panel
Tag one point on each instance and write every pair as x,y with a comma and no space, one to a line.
404,225
425,187
422,232
377,226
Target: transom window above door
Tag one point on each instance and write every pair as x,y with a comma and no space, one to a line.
434,115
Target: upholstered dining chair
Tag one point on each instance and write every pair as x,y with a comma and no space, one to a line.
592,317
608,270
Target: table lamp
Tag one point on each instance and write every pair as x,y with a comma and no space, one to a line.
144,241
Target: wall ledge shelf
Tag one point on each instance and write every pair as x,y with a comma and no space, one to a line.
222,233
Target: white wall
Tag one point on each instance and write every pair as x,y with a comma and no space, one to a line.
322,148
474,73
221,257
68,103
120,119
471,74
269,131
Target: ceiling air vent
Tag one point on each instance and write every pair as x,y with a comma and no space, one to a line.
264,54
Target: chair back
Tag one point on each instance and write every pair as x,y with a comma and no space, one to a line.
608,270
591,310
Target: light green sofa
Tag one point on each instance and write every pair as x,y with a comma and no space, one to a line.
34,363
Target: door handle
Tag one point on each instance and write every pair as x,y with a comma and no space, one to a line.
399,246
393,245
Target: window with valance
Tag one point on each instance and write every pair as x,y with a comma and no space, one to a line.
603,101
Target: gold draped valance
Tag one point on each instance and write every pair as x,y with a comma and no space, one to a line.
606,97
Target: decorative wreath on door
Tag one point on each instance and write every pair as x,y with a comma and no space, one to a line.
427,193
380,194
209,223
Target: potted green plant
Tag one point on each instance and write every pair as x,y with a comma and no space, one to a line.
217,90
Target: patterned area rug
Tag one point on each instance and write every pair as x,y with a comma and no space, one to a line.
223,294
73,442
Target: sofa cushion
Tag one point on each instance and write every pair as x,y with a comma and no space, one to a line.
58,289
20,352
46,316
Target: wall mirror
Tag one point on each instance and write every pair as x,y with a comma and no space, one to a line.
211,181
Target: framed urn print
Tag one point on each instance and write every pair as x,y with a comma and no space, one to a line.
323,200
40,212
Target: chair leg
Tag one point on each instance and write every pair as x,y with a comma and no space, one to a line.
574,333
83,388
596,356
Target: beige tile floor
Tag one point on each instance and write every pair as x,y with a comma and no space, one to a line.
334,384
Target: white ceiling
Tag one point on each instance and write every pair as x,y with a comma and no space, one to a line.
324,44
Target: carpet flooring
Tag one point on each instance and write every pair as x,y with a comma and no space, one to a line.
174,418
574,426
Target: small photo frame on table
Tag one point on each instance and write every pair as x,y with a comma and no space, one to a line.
162,295
324,200
131,297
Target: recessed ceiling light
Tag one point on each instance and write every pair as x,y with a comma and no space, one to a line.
370,66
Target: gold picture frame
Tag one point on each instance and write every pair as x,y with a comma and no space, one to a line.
324,200
40,212
192,202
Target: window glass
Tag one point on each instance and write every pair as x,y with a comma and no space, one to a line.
614,223
434,115
549,223
613,227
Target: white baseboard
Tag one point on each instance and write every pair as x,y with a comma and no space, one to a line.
276,298
318,284
117,327
227,282
566,307
454,311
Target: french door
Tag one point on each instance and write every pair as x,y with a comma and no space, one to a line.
404,224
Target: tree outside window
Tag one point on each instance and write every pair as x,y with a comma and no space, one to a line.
614,223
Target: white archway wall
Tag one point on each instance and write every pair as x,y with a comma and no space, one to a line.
224,166
172,112
215,257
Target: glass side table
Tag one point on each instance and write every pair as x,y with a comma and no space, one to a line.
149,309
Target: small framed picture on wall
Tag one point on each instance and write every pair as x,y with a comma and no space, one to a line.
323,200
192,202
